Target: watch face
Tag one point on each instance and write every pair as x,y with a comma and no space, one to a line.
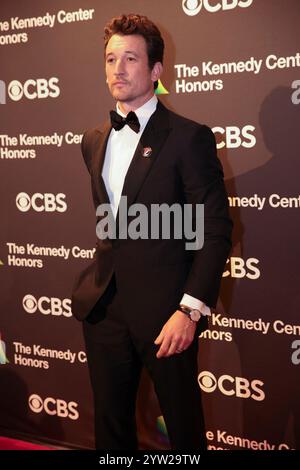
195,315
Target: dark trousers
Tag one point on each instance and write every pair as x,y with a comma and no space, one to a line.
116,355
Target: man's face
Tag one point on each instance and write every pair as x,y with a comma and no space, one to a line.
129,78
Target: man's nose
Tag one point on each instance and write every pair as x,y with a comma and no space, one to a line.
119,68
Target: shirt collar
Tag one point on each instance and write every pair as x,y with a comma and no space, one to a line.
143,112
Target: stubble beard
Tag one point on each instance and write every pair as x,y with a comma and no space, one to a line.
121,96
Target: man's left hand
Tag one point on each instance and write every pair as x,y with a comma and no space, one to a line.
176,335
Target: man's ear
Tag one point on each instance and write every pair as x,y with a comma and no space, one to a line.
156,71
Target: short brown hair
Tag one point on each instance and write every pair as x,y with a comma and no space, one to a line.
138,24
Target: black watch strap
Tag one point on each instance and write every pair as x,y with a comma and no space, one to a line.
193,314
184,309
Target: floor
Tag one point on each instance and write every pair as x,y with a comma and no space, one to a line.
7,443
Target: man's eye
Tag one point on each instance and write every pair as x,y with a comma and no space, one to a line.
110,60
131,59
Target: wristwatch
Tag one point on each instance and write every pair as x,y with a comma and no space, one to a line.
193,313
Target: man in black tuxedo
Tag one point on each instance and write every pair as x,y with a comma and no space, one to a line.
144,301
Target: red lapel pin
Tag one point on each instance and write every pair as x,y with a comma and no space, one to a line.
147,151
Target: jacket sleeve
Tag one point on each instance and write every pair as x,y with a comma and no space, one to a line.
202,178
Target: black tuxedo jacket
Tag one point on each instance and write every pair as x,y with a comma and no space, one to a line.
153,274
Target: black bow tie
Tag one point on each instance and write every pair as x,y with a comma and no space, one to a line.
118,122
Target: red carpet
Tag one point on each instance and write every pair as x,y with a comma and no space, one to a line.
14,444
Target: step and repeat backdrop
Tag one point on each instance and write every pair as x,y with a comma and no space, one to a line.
231,64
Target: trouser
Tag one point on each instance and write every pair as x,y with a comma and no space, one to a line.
116,354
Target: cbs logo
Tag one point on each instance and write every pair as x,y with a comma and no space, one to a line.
47,305
231,386
53,407
238,268
46,202
34,89
193,7
233,137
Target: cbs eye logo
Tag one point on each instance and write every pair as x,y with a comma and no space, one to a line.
23,202
15,90
47,306
30,304
207,382
46,202
53,407
36,403
239,387
31,89
193,7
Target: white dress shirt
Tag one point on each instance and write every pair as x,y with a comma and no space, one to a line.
123,144
120,149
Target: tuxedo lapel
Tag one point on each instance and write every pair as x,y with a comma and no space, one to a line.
153,137
97,164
